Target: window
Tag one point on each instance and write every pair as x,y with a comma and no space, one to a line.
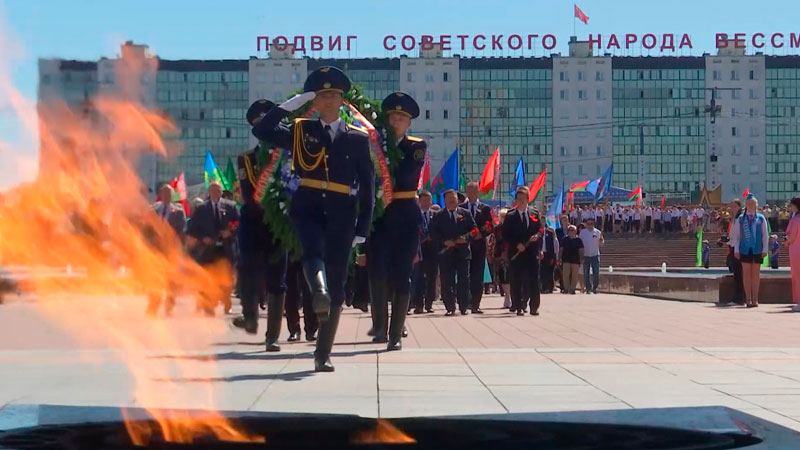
735,150
580,150
429,96
715,75
444,77
688,130
410,77
447,96
598,76
184,114
429,78
734,94
599,150
734,75
564,170
580,169
427,113
753,94
753,150
733,131
736,187
446,133
753,112
446,115
202,115
733,112
600,94
735,169
752,74
688,93
228,132
582,94
753,169
563,94
563,76
580,75
563,151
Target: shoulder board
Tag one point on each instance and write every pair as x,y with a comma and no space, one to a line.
414,139
357,128
301,119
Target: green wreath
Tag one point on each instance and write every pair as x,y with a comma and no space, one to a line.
277,199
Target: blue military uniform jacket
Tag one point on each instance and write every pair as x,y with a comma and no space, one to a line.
405,211
347,160
253,232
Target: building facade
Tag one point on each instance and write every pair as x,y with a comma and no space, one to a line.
573,115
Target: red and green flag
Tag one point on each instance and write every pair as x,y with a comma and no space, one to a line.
538,185
637,195
490,172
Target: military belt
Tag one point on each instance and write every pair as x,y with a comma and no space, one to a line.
325,185
404,194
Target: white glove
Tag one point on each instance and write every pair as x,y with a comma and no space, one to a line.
359,240
297,101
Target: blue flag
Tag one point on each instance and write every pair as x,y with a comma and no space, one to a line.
448,175
554,212
604,184
519,177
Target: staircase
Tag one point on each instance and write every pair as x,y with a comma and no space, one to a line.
677,250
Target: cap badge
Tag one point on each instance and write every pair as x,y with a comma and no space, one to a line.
326,85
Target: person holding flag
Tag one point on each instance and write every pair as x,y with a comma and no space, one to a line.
332,208
262,261
395,238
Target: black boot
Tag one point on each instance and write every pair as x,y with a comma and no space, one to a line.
274,319
327,333
380,310
314,272
399,308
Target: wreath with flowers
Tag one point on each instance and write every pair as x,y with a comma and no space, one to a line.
277,183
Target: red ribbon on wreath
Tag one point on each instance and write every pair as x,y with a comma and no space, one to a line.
383,166
263,177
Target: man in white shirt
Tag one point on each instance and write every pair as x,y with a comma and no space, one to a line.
608,223
648,219
637,217
657,220
617,219
573,216
685,220
592,240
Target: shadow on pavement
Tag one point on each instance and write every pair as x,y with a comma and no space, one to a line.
290,376
259,356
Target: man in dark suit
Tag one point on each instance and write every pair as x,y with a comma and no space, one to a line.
482,215
523,232
262,260
175,217
332,208
452,228
427,268
211,233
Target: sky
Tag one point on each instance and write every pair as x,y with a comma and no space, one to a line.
204,29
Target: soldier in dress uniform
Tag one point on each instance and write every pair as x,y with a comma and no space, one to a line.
332,208
395,239
451,229
482,215
261,261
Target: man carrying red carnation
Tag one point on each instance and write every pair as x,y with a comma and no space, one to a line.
452,228
482,215
523,232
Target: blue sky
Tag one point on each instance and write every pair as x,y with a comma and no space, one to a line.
203,29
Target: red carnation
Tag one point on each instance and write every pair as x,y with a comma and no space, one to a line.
474,232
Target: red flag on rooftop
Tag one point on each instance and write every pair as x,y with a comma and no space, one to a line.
580,15
490,172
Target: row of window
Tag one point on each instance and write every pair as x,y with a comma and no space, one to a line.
734,75
411,77
580,75
736,169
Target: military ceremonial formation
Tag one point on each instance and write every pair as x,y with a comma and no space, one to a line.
332,215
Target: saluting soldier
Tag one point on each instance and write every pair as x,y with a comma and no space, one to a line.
332,208
482,215
262,261
395,238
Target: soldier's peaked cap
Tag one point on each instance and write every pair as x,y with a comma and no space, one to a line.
327,78
399,102
258,109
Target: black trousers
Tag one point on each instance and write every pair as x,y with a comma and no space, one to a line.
647,222
299,296
454,272
476,268
547,271
735,266
524,274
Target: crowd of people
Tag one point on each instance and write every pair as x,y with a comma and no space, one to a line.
415,252
686,219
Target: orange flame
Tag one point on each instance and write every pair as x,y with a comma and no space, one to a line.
87,213
384,433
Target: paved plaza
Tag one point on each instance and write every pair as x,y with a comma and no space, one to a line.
583,352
